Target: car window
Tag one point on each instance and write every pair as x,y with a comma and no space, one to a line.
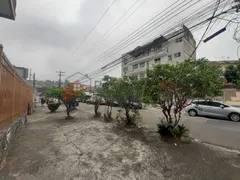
214,104
200,102
225,105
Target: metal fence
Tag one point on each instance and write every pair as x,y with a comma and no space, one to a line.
15,94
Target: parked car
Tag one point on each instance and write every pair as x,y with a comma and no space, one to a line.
89,101
213,108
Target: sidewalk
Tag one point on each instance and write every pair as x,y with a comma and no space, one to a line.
52,148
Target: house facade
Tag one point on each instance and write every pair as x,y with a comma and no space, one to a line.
173,48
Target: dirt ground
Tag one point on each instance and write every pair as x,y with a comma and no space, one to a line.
52,148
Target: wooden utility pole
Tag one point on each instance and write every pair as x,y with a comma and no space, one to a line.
60,74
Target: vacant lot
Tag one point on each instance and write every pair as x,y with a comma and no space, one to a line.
52,148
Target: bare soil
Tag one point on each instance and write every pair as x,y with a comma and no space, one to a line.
84,148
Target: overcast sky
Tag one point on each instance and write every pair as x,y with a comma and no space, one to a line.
47,32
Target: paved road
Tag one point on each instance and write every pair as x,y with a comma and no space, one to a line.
214,131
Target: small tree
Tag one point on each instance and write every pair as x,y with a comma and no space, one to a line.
231,74
54,92
108,92
126,94
171,85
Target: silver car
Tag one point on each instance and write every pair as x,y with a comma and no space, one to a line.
214,109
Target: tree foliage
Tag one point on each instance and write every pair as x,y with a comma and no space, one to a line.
126,94
54,92
231,74
171,85
108,92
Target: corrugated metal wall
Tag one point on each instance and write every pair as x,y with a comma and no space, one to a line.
15,93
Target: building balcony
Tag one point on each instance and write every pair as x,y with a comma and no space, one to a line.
7,9
147,56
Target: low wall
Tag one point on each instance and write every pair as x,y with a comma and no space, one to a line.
8,134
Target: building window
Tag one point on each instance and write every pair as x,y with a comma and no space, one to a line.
177,55
125,68
170,57
157,60
135,76
142,75
179,40
158,49
135,66
142,65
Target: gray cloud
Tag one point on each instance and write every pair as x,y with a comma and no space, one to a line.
45,34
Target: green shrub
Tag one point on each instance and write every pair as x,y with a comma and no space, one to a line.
169,130
132,120
53,106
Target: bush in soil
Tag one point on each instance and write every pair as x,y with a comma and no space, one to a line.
169,130
107,117
53,106
133,119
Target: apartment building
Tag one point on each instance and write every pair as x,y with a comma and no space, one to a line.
175,47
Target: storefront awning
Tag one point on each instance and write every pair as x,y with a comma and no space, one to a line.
7,9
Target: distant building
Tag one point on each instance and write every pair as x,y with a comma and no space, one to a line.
175,47
224,63
22,72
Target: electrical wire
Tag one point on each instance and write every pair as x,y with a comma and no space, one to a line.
94,27
126,45
117,62
97,71
193,27
122,43
217,5
142,27
211,29
107,34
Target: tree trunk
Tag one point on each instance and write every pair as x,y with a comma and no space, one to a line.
68,107
96,109
128,118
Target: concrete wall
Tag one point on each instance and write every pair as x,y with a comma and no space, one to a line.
232,96
8,134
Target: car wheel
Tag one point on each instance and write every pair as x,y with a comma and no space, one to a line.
192,112
234,117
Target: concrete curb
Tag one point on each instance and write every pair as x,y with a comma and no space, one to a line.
216,146
8,134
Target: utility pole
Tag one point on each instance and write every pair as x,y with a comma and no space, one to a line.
30,75
34,86
34,81
60,74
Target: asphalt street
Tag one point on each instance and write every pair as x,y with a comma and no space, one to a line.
215,131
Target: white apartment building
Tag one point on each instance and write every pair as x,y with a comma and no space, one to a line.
175,47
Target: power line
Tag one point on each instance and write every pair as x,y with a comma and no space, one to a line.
217,5
101,39
211,28
118,61
95,26
128,38
124,45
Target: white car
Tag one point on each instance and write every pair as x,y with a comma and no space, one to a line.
213,108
